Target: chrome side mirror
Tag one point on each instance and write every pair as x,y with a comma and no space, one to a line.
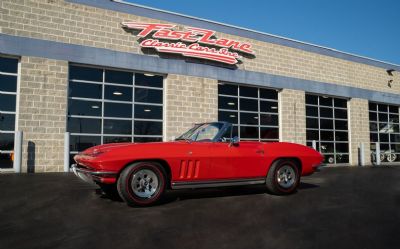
235,141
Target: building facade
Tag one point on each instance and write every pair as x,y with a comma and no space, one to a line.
99,71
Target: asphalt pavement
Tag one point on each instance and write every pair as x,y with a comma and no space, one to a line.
335,208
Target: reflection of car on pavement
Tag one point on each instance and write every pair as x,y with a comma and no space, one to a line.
387,155
207,155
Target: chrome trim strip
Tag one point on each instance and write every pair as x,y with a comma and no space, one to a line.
94,173
220,183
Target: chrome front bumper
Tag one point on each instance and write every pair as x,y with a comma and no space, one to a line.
92,176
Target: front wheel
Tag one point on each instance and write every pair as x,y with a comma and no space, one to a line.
142,183
283,177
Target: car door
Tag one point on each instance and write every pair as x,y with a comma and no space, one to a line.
244,160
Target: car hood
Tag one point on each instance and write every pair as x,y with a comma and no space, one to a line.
100,149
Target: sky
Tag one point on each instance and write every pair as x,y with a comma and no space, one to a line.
367,28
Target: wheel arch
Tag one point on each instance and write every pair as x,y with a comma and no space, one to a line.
297,160
164,164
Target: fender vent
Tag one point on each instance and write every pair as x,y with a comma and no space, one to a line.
189,169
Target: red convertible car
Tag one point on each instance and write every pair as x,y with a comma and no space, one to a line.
205,156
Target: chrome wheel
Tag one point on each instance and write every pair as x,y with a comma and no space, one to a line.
144,183
286,176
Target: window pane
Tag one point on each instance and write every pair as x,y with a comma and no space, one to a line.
373,116
148,112
84,125
383,117
394,118
312,135
340,125
393,109
85,90
269,119
7,102
326,101
269,106
326,135
383,108
8,83
311,99
117,126
340,103
230,117
152,81
326,124
341,158
395,138
311,111
269,133
249,118
373,137
227,89
5,161
340,113
227,103
112,139
372,106
342,147
373,126
342,136
383,137
147,139
268,94
85,73
119,77
80,143
248,91
148,95
248,132
249,105
118,93
6,141
312,123
327,147
8,65
118,110
148,128
7,122
82,107
326,112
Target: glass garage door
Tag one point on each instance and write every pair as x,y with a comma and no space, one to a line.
253,111
8,96
111,105
327,124
384,130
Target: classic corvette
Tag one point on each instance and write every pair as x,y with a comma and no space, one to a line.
205,156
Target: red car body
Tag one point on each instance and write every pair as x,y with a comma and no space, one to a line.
191,162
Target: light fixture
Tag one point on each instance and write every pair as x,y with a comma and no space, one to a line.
231,103
232,116
255,117
147,110
95,107
274,107
325,97
149,75
117,93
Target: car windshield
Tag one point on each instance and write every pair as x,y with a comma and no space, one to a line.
202,132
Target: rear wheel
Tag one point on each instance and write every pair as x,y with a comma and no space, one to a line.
142,183
283,177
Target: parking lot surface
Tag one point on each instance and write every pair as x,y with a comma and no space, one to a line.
335,208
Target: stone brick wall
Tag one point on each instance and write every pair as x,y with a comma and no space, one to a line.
359,129
189,100
292,116
42,113
60,21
